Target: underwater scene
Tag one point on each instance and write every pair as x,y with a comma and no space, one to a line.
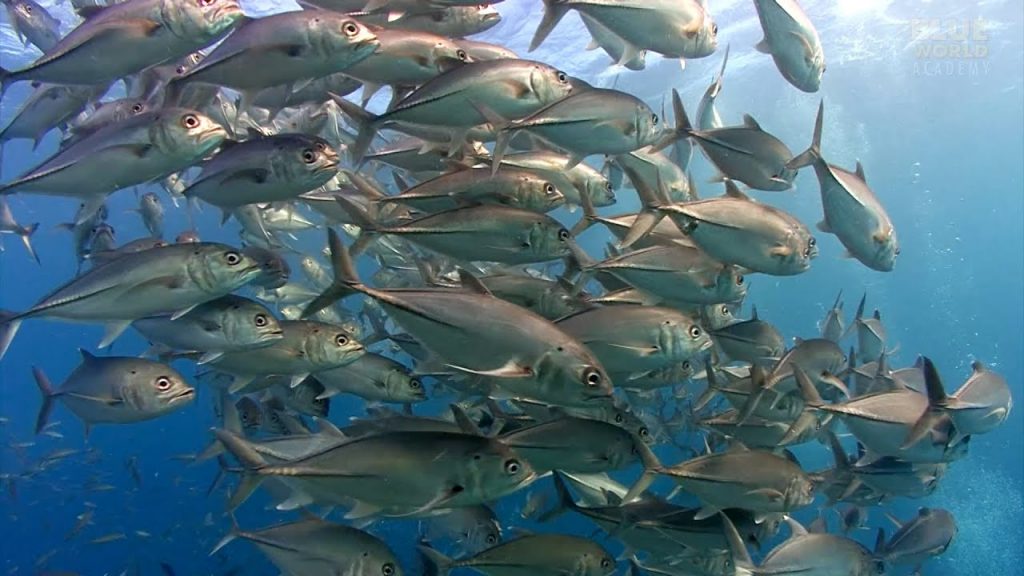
530,288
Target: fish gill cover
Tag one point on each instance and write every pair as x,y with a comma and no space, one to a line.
561,287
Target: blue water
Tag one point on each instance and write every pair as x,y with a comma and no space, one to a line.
941,142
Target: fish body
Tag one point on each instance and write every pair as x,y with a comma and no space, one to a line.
792,41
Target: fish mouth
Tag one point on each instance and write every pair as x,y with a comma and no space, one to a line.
184,396
215,132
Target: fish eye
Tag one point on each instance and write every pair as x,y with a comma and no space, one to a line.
644,432
350,28
136,108
163,383
549,189
694,331
897,251
606,563
491,539
563,234
261,320
387,569
415,384
461,55
512,467
654,119
308,156
592,377
28,8
714,29
341,340
812,241
725,310
608,186
190,121
562,78
739,280
232,258
619,418
687,365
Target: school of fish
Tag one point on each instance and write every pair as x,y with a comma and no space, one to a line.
445,267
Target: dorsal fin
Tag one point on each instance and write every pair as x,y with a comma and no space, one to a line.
88,12
749,122
87,356
733,191
472,283
860,172
753,310
465,423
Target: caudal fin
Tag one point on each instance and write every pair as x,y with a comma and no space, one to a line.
365,123
812,154
435,563
346,281
554,11
46,390
251,461
26,239
9,324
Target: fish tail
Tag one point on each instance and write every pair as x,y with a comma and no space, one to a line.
9,324
46,390
554,11
364,121
436,563
346,280
589,217
565,501
651,468
712,389
26,239
229,537
937,401
812,154
251,461
502,134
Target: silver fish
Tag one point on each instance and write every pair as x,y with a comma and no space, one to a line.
792,41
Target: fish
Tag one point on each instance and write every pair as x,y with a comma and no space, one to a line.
473,528
573,444
145,147
226,324
49,106
33,24
375,378
283,48
104,114
853,212
735,229
538,554
315,546
587,122
808,553
169,279
509,186
754,480
672,29
707,114
451,21
451,469
792,41
981,405
744,153
752,340
473,332
510,88
574,183
152,212
925,536
270,169
305,347
8,225
120,40
115,390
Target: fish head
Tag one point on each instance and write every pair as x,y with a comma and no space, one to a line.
402,387
537,194
547,237
681,338
330,346
483,534
219,268
648,127
887,248
494,470
549,84
717,316
730,284
201,19
600,190
447,55
811,72
596,563
316,159
249,323
275,269
702,40
249,413
186,133
481,17
152,200
345,35
157,388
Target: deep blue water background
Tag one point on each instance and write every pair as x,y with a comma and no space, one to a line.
941,142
